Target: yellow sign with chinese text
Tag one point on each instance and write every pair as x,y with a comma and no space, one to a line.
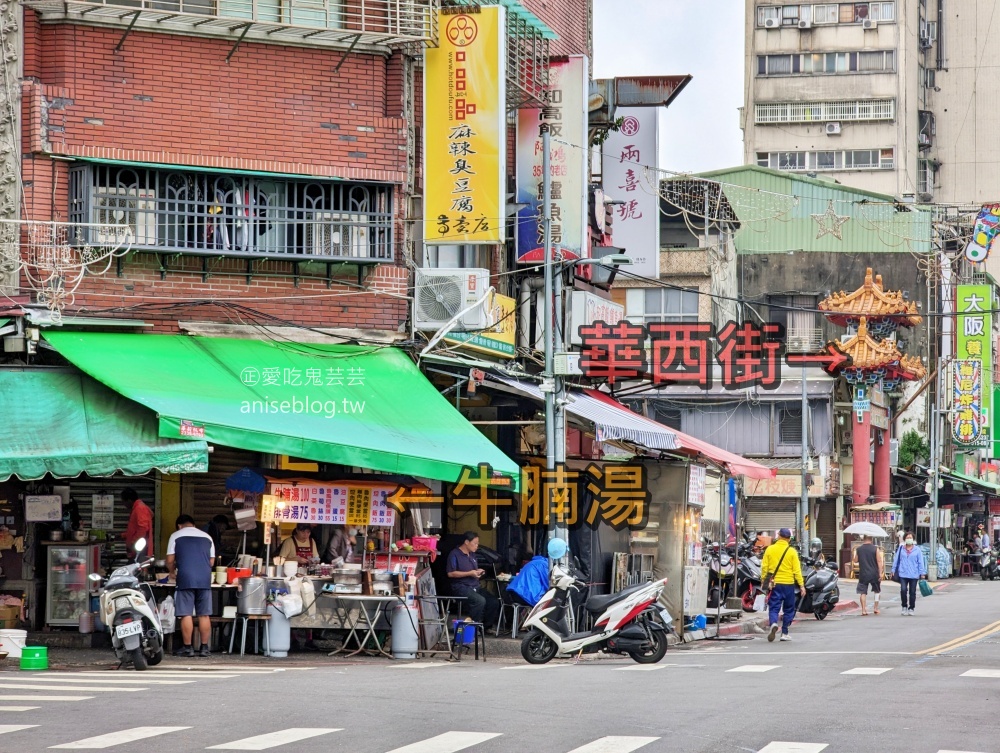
465,141
499,338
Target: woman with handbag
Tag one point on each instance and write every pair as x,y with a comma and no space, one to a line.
908,568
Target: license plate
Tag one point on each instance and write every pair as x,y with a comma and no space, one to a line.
665,616
129,628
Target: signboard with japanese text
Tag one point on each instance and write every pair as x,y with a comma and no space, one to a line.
498,340
465,144
566,116
625,157
973,367
343,503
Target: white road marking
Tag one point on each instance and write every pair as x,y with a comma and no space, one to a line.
35,698
534,666
615,744
274,739
793,748
738,652
867,671
18,708
642,668
754,668
15,727
55,677
981,673
449,742
74,688
423,665
118,738
955,751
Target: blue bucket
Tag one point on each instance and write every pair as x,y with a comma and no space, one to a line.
468,637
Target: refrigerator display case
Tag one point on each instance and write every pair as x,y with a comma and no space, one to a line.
67,593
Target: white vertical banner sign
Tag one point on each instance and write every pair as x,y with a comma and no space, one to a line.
626,155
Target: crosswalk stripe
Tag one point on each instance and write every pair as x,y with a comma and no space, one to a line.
103,681
535,666
274,739
148,673
615,744
18,708
754,668
867,671
118,738
423,665
75,688
15,727
955,751
449,742
793,748
641,668
981,673
35,698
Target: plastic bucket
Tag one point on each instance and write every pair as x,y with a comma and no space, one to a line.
468,636
12,641
35,657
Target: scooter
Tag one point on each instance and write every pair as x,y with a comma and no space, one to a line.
822,587
721,569
988,569
748,585
130,614
628,622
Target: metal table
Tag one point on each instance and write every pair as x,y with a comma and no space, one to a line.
359,615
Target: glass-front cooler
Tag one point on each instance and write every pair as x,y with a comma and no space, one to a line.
67,593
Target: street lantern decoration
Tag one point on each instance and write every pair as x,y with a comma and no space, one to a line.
876,366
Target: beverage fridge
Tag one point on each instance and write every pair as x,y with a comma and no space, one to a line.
67,593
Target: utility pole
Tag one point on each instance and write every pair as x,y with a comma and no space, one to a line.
800,523
552,384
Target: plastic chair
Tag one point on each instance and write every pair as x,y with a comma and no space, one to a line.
966,569
510,603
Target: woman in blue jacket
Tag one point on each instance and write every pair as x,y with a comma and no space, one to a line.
909,568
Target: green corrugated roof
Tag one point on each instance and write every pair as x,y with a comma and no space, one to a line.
771,224
983,484
515,7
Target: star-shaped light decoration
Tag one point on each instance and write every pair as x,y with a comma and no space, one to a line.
830,222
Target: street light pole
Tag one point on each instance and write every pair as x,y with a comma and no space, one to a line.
800,522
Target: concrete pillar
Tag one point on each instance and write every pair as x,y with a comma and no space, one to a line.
862,480
883,482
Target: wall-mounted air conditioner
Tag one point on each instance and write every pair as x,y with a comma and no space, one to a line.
833,129
336,234
771,23
440,294
805,24
115,207
869,24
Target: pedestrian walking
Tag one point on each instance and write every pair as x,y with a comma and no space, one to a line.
908,568
190,552
781,572
871,565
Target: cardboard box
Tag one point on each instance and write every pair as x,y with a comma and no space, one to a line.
9,624
10,613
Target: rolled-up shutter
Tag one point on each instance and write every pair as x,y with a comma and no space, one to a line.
767,515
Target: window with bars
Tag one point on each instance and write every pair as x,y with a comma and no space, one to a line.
851,159
228,214
825,13
926,175
644,305
789,425
818,112
811,63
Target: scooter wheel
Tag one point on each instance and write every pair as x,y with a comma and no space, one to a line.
658,651
983,574
748,598
538,648
138,659
155,658
822,612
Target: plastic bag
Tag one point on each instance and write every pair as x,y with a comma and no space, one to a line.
290,605
760,603
309,598
165,611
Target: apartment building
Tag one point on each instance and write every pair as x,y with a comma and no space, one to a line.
862,92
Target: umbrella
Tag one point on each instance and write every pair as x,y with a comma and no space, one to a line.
865,528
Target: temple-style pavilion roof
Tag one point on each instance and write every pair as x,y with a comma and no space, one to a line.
870,355
871,301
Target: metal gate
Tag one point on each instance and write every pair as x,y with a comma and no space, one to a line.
768,515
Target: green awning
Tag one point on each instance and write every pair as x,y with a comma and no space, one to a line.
987,486
364,406
67,424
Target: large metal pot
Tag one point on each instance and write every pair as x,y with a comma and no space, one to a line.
252,597
55,535
382,577
343,576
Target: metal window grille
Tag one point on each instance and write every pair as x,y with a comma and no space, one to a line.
226,214
858,159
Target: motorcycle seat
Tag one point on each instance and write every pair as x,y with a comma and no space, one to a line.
598,604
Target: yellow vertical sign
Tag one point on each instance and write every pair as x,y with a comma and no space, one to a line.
465,142
359,505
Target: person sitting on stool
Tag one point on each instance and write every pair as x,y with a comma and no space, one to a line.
464,571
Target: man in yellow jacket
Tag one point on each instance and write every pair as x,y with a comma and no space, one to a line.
782,562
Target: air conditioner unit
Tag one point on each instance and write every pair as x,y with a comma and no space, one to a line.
869,24
440,294
833,129
924,139
119,207
805,24
772,23
337,234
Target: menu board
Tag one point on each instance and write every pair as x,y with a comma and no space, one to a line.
44,508
343,504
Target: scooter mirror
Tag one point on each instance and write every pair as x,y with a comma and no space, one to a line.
94,578
140,544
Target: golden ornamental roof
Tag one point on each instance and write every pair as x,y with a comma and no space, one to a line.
867,353
871,300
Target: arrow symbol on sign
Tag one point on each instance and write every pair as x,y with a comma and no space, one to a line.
831,359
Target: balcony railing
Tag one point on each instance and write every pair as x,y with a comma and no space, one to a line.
222,214
321,22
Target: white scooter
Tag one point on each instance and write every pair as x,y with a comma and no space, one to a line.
136,634
628,622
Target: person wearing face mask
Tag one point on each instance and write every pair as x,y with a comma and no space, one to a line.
909,567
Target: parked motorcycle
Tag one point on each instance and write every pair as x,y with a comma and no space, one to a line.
748,586
628,622
988,567
721,571
131,616
822,587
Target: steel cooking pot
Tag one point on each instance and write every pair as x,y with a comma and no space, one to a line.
55,535
347,577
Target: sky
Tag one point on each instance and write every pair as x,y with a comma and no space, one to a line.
701,128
